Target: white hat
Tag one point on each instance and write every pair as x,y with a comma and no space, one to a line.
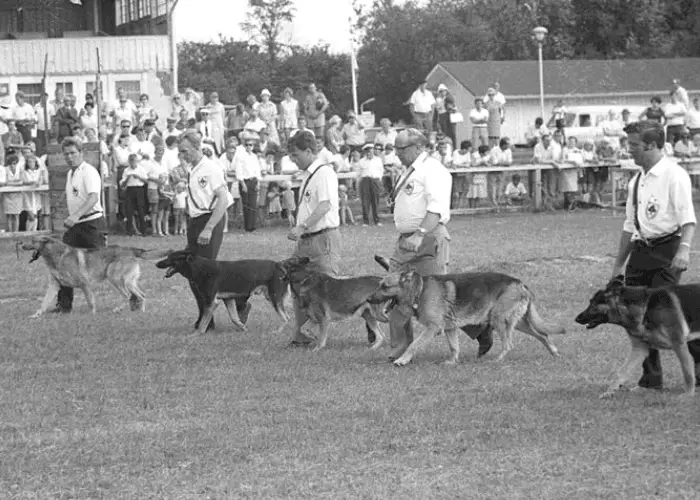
205,110
265,92
442,86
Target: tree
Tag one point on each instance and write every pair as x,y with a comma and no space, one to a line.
264,23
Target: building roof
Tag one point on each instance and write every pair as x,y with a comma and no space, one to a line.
576,77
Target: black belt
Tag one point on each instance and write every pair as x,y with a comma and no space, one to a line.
310,235
653,242
90,214
406,235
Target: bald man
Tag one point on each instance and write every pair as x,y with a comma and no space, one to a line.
421,213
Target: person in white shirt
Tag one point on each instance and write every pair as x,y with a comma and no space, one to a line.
692,118
248,173
479,116
134,178
371,171
515,192
207,200
498,95
206,128
171,159
41,125
228,165
613,129
254,123
422,105
86,227
680,93
386,135
548,152
155,170
501,155
323,154
675,112
657,234
141,145
684,148
24,115
461,158
421,213
170,129
570,166
316,231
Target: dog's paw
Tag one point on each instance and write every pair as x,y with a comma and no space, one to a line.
609,393
449,362
376,344
401,361
35,315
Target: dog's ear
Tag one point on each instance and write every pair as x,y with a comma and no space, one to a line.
616,283
412,285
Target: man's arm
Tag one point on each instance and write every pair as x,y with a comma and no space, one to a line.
220,206
321,210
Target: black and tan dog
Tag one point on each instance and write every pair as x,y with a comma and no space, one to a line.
448,302
658,318
84,268
323,300
232,282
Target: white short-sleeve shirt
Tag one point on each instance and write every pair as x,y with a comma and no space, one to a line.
80,183
664,201
428,189
479,115
322,186
204,179
423,102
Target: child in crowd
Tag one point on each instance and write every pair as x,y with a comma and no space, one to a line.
274,205
179,204
12,202
166,193
346,216
572,160
444,152
31,202
477,189
289,204
44,197
461,158
12,137
590,157
624,152
515,191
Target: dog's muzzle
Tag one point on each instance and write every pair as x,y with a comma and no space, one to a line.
170,272
35,256
589,321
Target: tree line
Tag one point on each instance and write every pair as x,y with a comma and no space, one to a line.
400,42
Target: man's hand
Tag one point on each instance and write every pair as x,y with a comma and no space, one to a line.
204,237
295,233
243,187
412,243
70,221
681,260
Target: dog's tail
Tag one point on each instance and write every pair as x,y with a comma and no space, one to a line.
535,322
150,254
664,311
382,261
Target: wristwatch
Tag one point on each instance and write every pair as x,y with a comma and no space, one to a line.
422,231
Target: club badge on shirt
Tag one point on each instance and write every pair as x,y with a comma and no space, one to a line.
202,182
409,188
652,208
75,191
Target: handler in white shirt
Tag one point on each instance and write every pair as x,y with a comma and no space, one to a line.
316,232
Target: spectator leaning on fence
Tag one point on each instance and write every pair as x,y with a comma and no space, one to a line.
422,105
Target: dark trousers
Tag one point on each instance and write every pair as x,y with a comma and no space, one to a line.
447,128
650,266
673,133
369,196
135,204
90,234
210,251
249,201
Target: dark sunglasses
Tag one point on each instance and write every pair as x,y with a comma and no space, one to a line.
251,144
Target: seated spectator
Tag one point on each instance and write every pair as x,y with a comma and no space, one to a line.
323,155
13,137
386,135
444,152
287,166
477,189
534,133
515,191
254,123
303,126
684,148
692,118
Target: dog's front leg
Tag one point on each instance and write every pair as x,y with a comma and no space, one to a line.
323,328
430,332
49,298
452,336
90,298
207,316
687,367
631,367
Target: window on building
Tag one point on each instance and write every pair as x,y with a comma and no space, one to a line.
32,92
90,88
66,86
132,88
161,7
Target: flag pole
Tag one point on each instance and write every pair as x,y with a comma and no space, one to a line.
353,67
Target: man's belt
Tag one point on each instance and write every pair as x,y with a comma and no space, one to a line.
316,233
653,242
406,235
89,214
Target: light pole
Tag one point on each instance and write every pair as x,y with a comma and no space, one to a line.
540,34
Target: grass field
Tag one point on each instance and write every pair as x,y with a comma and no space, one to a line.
124,406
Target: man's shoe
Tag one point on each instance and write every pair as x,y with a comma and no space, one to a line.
651,382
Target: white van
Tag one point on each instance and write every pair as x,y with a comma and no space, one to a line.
584,122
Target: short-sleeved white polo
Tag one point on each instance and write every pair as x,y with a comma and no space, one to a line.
664,201
422,102
428,189
322,186
80,183
204,179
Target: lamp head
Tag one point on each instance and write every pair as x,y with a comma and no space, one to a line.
540,33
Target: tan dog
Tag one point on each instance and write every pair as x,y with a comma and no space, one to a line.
448,302
84,268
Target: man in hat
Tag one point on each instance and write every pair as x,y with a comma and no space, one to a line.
422,105
315,106
246,164
24,115
206,126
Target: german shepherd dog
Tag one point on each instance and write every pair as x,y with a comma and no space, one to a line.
324,299
84,268
658,318
232,282
447,302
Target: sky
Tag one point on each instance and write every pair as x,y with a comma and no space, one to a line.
316,21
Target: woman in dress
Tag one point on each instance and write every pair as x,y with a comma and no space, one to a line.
493,125
289,112
31,202
12,202
268,114
216,114
88,116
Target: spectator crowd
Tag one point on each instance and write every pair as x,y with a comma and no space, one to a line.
249,140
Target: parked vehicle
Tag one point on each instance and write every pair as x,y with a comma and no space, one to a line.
584,122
